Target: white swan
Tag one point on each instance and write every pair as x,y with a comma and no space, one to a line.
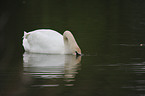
51,42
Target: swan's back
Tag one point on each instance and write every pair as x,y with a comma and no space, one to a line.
44,41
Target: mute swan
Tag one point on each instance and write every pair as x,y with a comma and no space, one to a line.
51,42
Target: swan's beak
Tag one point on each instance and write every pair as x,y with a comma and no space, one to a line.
77,54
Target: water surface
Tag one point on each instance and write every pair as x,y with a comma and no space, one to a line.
109,32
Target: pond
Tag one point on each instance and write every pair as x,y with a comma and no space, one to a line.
110,34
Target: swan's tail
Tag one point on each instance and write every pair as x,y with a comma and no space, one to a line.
25,41
26,35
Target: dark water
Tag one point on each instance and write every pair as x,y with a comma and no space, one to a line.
109,32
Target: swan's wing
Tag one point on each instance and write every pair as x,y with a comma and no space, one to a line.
45,42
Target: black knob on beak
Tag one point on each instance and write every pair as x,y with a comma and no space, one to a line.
77,54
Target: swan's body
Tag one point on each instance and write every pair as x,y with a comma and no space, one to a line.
51,42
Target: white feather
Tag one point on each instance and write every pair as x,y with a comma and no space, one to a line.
43,41
49,41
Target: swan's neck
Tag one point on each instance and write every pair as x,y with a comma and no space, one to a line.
69,42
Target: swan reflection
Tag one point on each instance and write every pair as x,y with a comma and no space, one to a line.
51,66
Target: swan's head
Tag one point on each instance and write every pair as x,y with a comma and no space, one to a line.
74,48
77,51
71,44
